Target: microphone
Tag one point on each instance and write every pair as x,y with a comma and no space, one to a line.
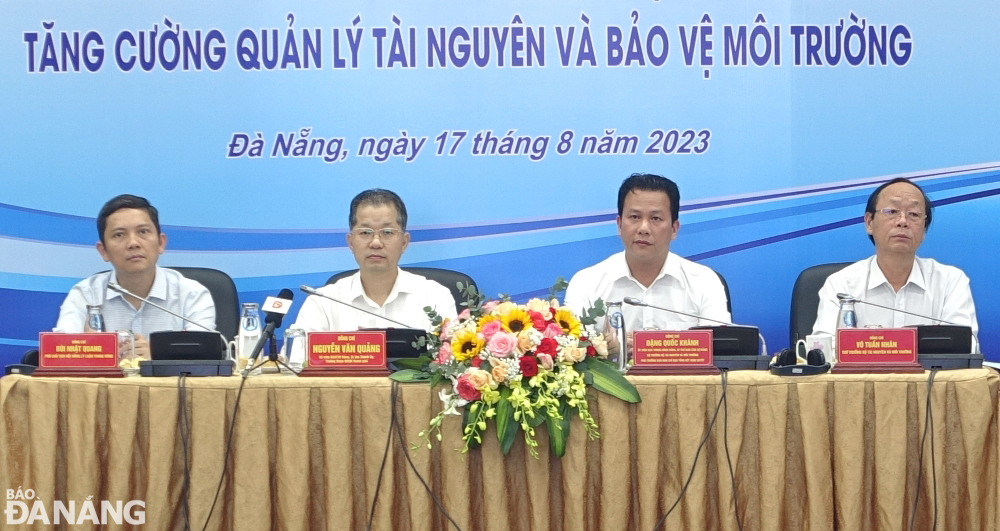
844,297
313,291
274,310
636,302
115,287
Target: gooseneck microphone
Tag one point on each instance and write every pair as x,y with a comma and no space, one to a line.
636,302
115,287
850,298
313,291
272,321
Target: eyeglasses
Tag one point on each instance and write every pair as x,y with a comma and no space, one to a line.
893,213
387,234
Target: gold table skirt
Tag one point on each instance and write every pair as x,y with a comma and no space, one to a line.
811,453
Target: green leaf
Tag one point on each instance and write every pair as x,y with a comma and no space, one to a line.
506,426
538,419
436,379
409,375
608,380
558,431
417,364
558,287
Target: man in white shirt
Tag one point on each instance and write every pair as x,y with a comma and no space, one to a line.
648,206
130,239
897,216
378,239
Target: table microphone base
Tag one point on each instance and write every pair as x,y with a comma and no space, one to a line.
189,367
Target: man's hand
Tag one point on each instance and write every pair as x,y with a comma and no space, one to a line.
141,348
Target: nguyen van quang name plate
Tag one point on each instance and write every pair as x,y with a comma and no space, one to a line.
346,354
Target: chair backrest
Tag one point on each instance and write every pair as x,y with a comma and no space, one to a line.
725,286
805,299
224,295
446,277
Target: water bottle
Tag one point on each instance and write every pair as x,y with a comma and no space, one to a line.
847,318
95,320
249,332
616,325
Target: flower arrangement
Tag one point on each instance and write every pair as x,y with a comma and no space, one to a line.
519,365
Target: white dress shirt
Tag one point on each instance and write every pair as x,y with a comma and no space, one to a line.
933,289
170,289
682,285
406,302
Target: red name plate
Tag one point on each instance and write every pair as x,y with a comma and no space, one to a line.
347,353
91,354
98,350
877,350
666,351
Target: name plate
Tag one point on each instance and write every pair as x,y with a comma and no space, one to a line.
346,354
877,350
672,352
89,354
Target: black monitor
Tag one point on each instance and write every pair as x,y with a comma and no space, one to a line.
186,345
733,340
944,339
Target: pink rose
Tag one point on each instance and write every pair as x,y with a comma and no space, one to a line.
491,328
466,389
489,306
464,315
444,327
444,353
502,343
552,331
545,360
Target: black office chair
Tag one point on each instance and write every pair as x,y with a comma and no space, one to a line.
446,277
805,299
725,286
224,295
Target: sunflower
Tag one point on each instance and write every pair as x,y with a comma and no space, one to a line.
466,344
483,320
515,320
569,323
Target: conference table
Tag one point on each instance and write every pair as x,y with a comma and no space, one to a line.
833,451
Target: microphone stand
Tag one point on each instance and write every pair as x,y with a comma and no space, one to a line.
225,344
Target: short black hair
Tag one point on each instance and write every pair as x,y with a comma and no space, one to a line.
873,200
648,182
376,197
121,202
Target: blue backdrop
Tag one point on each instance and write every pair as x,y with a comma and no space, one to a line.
506,128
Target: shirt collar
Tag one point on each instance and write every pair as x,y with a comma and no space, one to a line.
876,277
158,291
671,266
403,284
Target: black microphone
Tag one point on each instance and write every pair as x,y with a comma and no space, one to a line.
115,287
844,297
272,321
313,291
636,302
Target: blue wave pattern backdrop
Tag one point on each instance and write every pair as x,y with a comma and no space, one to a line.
506,128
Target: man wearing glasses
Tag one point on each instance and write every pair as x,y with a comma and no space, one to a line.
377,238
896,217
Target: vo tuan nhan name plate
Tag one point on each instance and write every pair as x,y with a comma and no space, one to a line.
862,350
346,354
90,354
672,352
